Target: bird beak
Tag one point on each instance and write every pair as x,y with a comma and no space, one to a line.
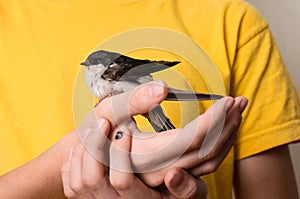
85,63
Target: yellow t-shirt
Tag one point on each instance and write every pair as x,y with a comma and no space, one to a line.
43,42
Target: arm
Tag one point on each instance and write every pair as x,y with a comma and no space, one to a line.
266,175
39,178
264,168
121,181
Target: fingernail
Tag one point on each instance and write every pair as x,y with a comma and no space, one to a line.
176,179
229,103
119,135
156,89
243,105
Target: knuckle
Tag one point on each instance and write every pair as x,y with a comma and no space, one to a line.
90,182
121,184
77,187
196,143
69,193
154,181
211,167
118,185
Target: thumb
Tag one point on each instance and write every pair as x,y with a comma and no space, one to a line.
183,185
140,100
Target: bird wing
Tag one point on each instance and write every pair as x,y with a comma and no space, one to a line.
130,69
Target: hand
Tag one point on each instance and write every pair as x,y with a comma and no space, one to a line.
214,133
199,147
85,177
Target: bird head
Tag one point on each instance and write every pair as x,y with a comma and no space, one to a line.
101,57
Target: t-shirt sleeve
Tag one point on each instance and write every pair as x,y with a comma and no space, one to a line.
272,117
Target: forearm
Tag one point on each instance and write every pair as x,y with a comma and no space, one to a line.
41,177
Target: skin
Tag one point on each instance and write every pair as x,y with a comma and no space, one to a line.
41,177
85,177
266,175
80,182
252,179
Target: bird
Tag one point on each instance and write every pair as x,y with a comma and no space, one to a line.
110,73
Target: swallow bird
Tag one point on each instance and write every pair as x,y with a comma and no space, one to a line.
110,73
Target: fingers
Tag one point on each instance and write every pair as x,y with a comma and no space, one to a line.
183,185
214,158
121,177
94,176
227,130
120,152
170,145
65,171
85,175
96,140
153,93
71,175
128,104
202,145
210,124
212,164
